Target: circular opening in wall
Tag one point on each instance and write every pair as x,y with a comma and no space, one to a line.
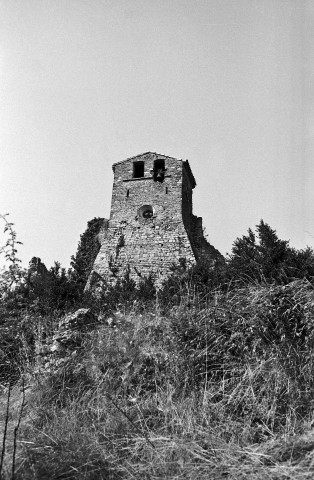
146,211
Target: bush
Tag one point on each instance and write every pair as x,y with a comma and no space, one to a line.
263,257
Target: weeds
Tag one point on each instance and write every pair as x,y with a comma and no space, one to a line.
200,393
5,430
9,446
204,379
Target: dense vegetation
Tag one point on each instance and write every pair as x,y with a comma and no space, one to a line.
210,377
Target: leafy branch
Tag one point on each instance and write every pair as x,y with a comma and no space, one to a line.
14,273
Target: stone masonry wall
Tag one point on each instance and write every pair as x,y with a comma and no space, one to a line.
149,245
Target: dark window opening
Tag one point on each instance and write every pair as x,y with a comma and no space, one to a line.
138,169
159,170
146,211
147,214
166,189
128,193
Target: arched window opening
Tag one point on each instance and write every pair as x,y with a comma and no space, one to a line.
159,170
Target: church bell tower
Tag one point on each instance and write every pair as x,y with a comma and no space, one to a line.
151,226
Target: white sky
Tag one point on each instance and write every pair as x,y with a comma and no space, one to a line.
226,84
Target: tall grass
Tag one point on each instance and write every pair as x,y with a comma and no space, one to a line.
218,386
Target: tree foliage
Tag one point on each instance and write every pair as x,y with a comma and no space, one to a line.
88,248
262,256
50,290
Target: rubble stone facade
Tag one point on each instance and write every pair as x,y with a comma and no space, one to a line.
151,225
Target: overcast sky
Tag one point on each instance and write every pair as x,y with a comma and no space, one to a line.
226,84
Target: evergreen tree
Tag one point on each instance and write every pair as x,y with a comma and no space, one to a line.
274,254
88,248
243,263
263,256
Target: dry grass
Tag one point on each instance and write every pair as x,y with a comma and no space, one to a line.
218,388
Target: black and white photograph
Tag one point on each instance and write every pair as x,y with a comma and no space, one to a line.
156,239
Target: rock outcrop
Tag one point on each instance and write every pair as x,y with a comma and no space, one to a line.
53,352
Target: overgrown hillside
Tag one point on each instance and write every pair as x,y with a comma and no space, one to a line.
209,378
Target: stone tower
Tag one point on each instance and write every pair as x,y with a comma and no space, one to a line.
151,225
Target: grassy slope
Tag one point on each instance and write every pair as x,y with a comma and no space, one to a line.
217,387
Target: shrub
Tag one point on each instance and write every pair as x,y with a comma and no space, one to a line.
265,258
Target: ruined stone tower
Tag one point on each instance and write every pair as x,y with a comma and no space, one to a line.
151,225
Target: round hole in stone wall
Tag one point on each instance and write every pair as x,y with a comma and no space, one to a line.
145,211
